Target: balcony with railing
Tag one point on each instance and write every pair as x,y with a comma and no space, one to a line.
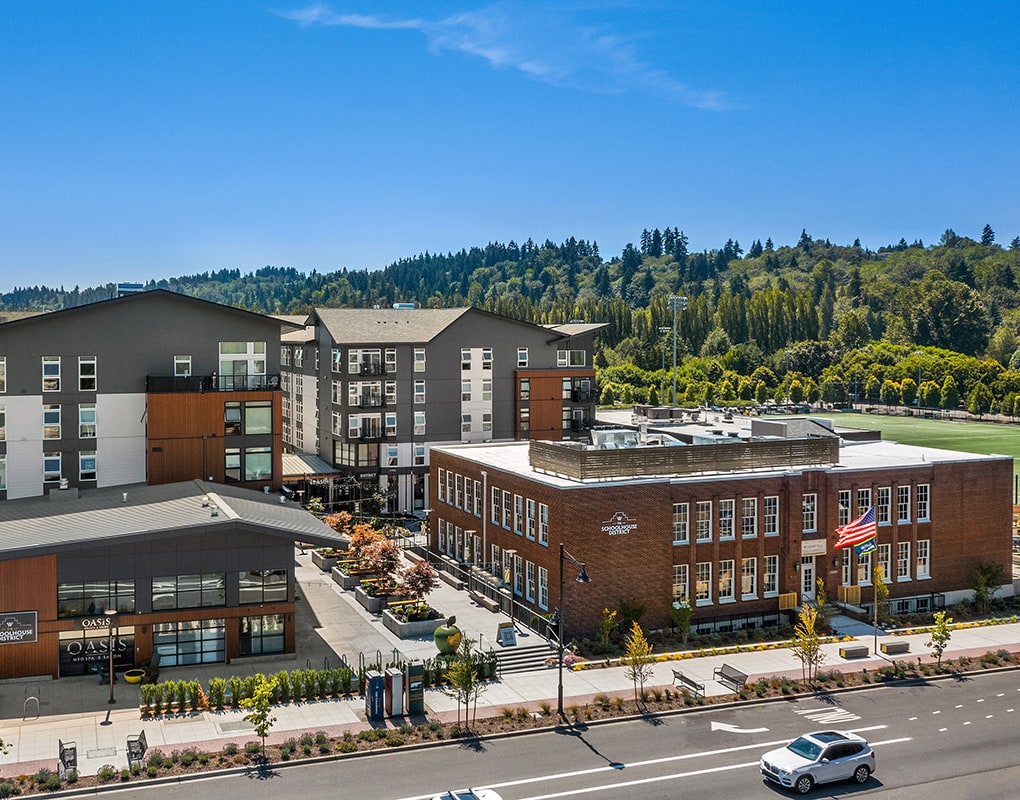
170,384
372,368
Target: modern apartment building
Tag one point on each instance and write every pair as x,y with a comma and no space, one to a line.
738,520
371,391
151,387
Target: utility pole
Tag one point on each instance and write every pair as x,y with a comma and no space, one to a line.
677,303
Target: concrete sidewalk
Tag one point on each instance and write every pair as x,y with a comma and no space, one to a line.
332,625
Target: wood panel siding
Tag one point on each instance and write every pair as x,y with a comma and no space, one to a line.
186,440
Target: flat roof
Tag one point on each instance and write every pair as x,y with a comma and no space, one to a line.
71,518
853,456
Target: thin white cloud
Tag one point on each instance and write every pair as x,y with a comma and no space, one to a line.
545,44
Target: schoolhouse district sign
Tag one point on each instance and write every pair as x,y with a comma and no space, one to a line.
619,524
18,627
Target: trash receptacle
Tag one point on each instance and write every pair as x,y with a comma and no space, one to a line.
394,692
374,687
415,680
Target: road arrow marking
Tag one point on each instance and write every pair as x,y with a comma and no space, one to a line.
723,726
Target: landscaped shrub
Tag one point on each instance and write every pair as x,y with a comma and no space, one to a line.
106,773
230,748
9,789
217,692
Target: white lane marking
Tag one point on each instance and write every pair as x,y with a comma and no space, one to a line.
763,746
989,716
674,776
967,722
911,719
939,712
958,705
943,730
981,699
725,726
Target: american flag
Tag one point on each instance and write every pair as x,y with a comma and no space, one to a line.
857,531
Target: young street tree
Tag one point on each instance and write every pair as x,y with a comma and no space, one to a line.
638,659
807,644
258,707
464,686
940,635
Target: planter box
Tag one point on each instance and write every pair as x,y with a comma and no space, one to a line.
344,580
325,563
372,604
410,630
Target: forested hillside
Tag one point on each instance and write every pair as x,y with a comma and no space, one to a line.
811,320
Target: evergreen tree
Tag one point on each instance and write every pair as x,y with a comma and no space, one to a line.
1015,244
655,244
987,235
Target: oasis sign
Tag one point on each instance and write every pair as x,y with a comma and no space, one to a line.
98,623
619,524
19,627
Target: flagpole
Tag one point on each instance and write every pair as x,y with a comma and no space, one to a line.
874,626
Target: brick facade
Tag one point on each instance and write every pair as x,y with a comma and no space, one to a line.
623,531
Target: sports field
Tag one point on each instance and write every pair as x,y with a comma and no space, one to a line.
970,437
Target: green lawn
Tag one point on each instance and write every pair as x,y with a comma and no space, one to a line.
969,437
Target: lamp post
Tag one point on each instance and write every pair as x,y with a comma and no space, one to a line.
582,577
110,614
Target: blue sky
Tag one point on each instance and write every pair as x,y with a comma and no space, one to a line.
145,140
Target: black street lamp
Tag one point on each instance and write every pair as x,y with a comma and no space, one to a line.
110,614
582,577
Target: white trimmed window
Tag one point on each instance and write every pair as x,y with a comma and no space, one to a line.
518,515
864,572
771,516
923,562
51,467
543,588
51,421
419,455
87,470
923,502
883,505
727,508
458,491
419,359
884,556
3,377
726,567
748,578
336,360
703,584
902,504
182,366
86,420
570,358
495,507
508,510
419,392
681,523
681,582
749,517
543,524
843,510
531,521
478,493
419,423
770,585
522,357
529,591
847,567
863,501
704,521
391,423
809,521
903,561
338,423
51,373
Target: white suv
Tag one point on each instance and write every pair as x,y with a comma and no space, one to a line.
820,757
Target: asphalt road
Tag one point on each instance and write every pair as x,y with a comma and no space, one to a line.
946,739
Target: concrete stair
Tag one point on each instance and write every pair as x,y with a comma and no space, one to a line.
524,658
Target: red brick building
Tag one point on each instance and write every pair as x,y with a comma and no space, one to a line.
739,521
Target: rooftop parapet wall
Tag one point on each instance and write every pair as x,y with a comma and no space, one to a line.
585,463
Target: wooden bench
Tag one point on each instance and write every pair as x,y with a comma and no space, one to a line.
853,651
891,648
452,580
402,603
688,683
485,601
136,747
730,676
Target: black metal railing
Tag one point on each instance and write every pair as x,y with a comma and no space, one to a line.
167,384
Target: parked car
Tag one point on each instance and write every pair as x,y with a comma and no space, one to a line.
468,794
819,757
